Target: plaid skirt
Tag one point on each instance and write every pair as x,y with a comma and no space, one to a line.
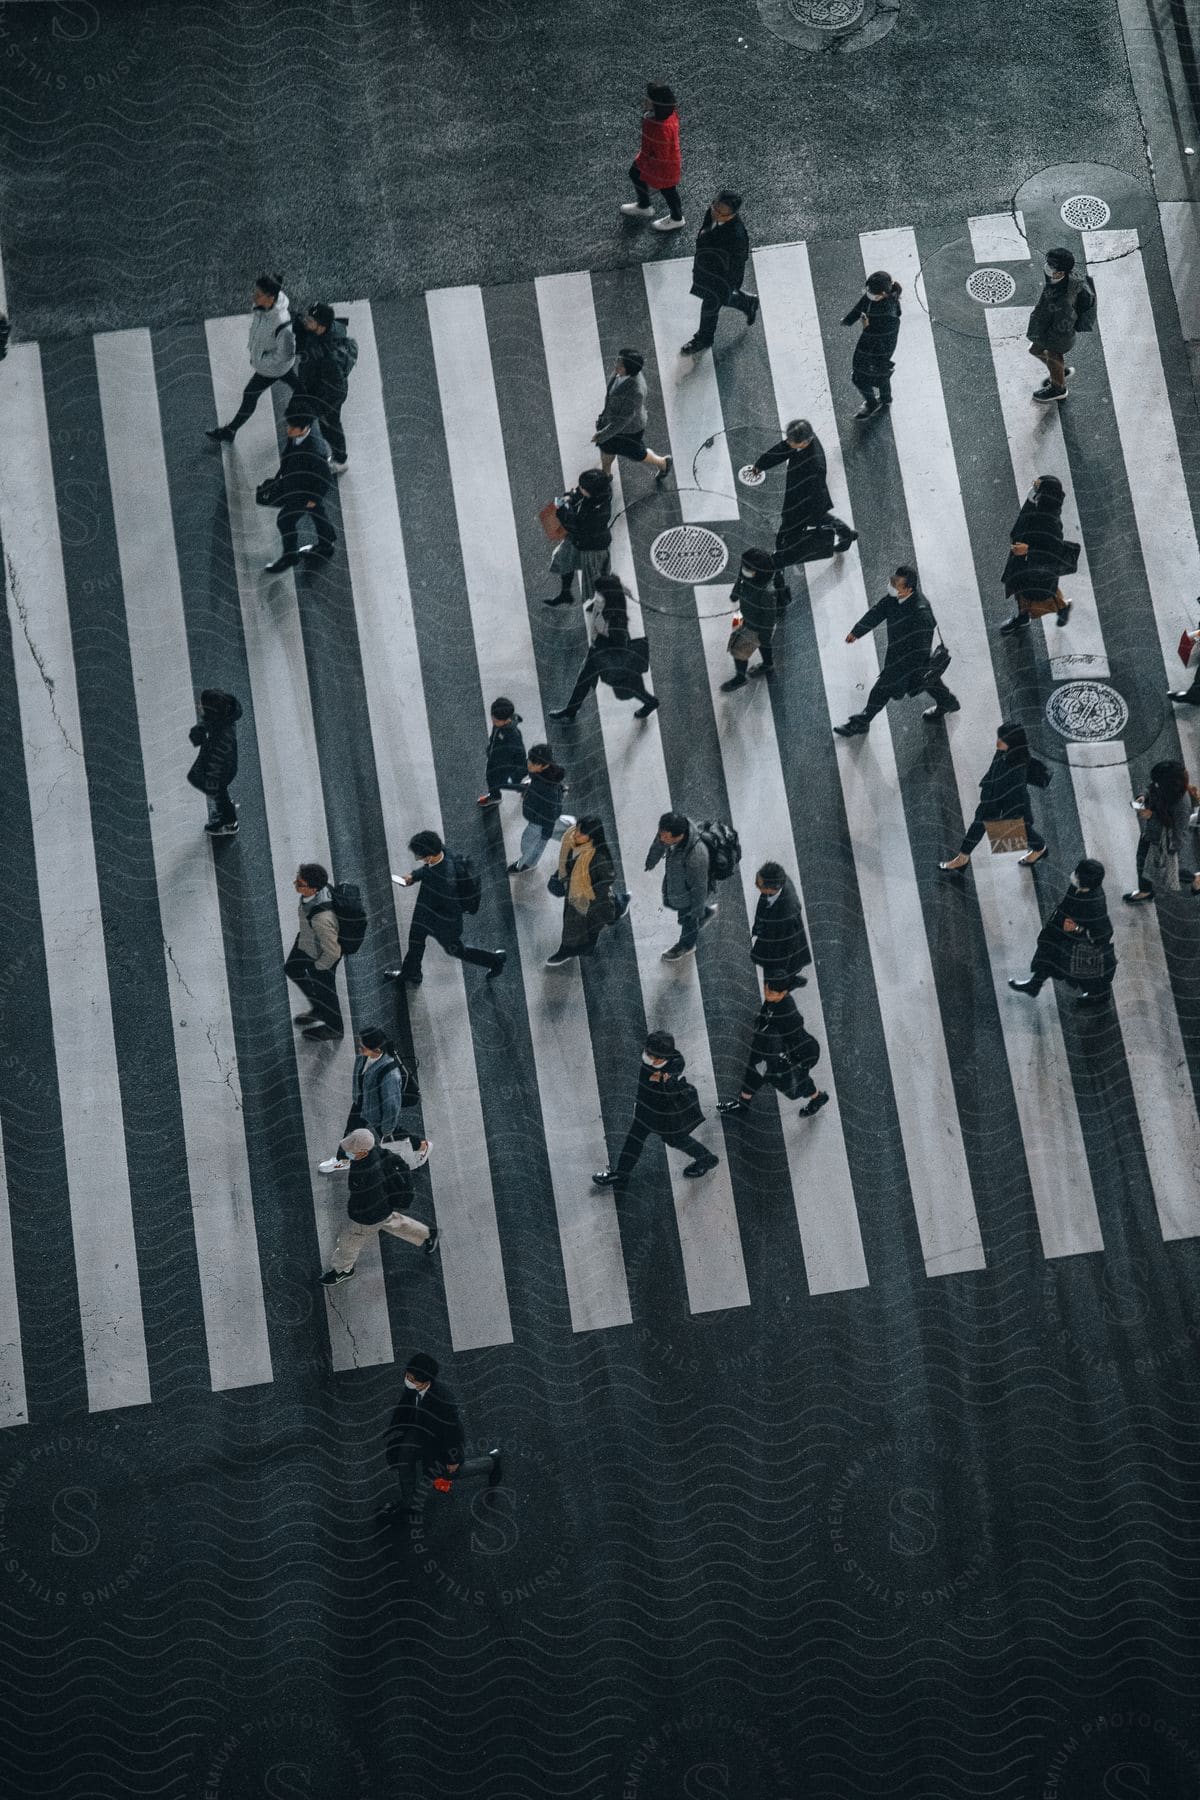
587,564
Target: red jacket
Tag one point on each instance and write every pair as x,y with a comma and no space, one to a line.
658,161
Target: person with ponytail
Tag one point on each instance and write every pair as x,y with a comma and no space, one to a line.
657,164
377,1101
878,308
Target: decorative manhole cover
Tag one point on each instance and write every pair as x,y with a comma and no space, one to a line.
689,553
991,287
1089,712
748,478
1084,212
827,15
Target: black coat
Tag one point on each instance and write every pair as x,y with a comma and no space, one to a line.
379,1185
1004,790
580,930
910,626
877,339
303,476
506,754
779,1034
542,800
216,736
779,941
318,369
1038,574
806,498
585,518
438,911
758,601
431,1422
1056,946
720,261
667,1104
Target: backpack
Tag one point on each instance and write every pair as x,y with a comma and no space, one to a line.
724,848
468,887
1085,307
344,349
345,902
410,1089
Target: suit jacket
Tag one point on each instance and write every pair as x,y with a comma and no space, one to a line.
910,626
806,498
303,476
438,911
720,260
779,940
430,1422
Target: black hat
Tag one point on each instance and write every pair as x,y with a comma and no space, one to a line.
424,1367
779,980
1060,259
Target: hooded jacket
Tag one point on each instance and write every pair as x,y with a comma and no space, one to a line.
272,341
216,736
685,875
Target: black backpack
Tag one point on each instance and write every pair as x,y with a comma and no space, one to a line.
468,887
344,349
1085,309
345,902
724,848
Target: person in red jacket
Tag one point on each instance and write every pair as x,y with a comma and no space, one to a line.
657,164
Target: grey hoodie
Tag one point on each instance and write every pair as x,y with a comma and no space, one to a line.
272,350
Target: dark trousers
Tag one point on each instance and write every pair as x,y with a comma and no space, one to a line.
258,384
974,833
414,956
872,386
755,1075
289,532
880,694
330,421
1193,693
710,312
636,1137
670,195
632,687
411,1469
793,546
319,986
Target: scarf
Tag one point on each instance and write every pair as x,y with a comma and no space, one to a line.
580,892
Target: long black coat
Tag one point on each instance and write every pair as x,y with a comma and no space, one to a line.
806,498
779,941
757,599
580,930
779,1034
910,626
432,1424
216,737
1053,955
438,911
1038,574
720,261
877,339
1004,790
667,1106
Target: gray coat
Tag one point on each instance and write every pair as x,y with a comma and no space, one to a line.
624,412
686,880
1052,322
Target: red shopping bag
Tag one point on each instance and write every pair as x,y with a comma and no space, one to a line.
1186,646
550,523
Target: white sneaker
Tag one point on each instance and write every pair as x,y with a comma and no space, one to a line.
566,820
669,224
633,210
339,468
412,1159
334,1165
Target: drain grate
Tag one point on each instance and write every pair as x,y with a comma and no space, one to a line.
1085,212
1087,711
827,15
689,553
991,287
830,27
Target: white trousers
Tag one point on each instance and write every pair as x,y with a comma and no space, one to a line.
352,1237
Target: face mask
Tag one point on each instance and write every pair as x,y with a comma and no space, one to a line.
1033,492
892,590
1054,274
649,1061
411,1386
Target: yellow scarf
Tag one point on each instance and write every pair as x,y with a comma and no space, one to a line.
580,892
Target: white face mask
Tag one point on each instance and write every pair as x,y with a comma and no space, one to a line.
892,590
651,1062
412,1386
1054,274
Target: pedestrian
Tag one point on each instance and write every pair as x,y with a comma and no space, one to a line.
909,666
1004,794
1075,944
326,353
778,939
584,514
719,266
215,736
808,519
313,959
781,1052
541,807
613,658
445,880
425,1439
658,163
584,883
1165,812
505,766
609,604
272,347
757,604
298,492
1064,306
378,1097
380,1189
666,1106
687,879
1189,696
621,427
1038,557
878,307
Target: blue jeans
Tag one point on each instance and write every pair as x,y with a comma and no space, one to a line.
534,839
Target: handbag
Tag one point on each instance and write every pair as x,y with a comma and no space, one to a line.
1087,961
743,640
1161,864
1186,646
557,886
551,524
264,493
790,1075
1069,556
939,662
1006,836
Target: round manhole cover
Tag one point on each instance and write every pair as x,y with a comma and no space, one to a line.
829,27
1087,712
690,553
748,478
1085,212
991,287
827,15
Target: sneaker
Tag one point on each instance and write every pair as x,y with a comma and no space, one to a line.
755,303
726,1109
277,567
517,868
633,209
677,952
669,224
693,347
844,543
855,726
814,1105
562,712
559,960
332,1277
431,1242
414,1159
761,671
710,912
605,1178
333,1165
1028,986
227,830
1046,393
220,434
643,712
1184,697
700,1167
399,973
497,967
623,903
308,1018
1018,622
868,409
663,473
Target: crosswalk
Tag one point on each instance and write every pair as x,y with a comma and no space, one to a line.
365,702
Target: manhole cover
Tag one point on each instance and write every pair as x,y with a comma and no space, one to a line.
991,287
689,553
829,27
1085,212
1087,712
827,15
748,478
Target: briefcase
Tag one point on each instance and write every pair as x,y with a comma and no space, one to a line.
1006,836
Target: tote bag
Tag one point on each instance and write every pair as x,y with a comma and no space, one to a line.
1006,836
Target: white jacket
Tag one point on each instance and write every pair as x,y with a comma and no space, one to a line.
272,351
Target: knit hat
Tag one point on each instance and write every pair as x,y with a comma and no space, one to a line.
358,1142
1060,259
424,1367
1014,735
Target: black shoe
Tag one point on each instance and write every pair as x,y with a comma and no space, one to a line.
320,552
308,1018
399,974
1018,622
323,1034
431,1242
560,600
701,1167
496,1473
783,594
755,303
623,907
562,712
1063,613
606,1178
814,1105
693,347
939,711
1093,999
1139,897
220,434
868,409
844,543
855,726
515,868
643,712
332,1277
663,473
1184,697
762,669
1030,985
280,564
728,1109
1046,393
497,967
559,958
228,829
735,681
